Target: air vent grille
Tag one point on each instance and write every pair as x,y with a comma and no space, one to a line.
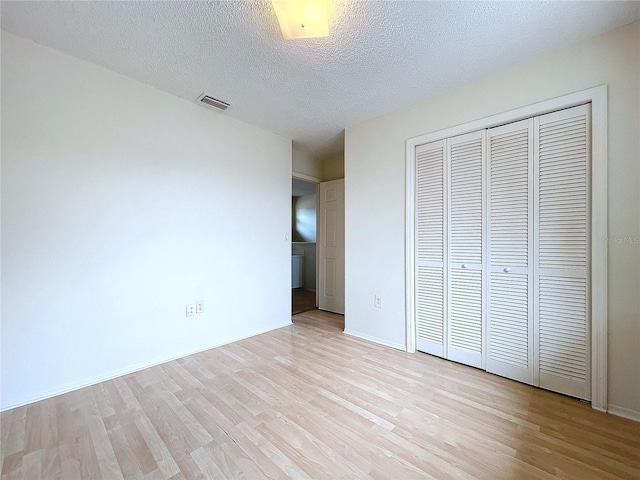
211,102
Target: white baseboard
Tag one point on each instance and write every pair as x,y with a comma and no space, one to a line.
364,336
624,412
127,371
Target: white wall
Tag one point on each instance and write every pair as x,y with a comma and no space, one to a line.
326,169
304,163
333,168
120,204
375,190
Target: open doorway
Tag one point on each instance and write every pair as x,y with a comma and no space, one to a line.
304,221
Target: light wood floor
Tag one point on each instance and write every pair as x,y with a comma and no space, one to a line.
309,402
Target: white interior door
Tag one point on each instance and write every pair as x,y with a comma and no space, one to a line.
563,219
331,247
510,334
465,155
430,248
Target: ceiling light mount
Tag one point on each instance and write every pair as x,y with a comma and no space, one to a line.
302,18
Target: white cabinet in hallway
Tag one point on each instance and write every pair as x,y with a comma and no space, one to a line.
297,270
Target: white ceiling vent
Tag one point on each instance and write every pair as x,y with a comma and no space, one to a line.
211,102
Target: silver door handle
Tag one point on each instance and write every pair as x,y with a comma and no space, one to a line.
507,270
464,265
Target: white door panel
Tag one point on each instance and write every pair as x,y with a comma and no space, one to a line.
563,219
331,247
465,160
510,341
430,248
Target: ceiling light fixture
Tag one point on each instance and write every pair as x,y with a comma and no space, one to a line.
302,18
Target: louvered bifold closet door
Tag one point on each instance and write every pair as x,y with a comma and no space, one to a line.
510,233
563,219
465,156
430,248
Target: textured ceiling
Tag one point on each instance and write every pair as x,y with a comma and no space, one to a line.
380,55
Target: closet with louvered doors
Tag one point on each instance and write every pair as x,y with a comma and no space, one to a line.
502,248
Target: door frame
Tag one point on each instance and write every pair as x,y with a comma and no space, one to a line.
597,97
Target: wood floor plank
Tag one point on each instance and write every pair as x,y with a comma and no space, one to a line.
126,456
196,369
50,463
107,461
315,458
181,376
157,447
235,462
83,450
308,402
139,448
32,464
272,452
12,465
69,465
192,430
338,437
125,387
252,453
207,464
15,424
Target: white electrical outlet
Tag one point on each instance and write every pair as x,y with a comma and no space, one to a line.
191,309
377,301
199,306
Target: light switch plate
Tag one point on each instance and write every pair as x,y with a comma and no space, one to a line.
377,301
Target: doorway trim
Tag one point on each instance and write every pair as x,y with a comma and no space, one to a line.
597,97
304,177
